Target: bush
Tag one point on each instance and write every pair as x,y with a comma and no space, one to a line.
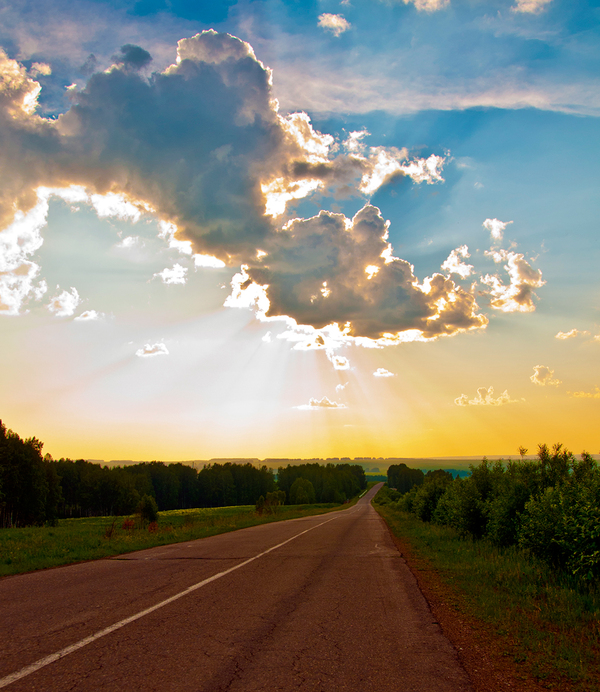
148,509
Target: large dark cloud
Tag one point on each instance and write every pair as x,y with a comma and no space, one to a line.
204,146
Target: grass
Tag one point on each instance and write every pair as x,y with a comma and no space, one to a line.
541,620
76,540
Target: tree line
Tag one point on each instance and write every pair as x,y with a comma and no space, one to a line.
549,506
35,489
325,483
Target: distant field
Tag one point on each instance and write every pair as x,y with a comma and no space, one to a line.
76,540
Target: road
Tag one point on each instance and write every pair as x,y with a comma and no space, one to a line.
313,604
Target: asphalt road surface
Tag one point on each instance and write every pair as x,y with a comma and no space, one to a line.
316,604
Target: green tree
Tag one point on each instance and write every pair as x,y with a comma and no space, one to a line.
302,492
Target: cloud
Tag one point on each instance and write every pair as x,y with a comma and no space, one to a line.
208,261
519,295
340,387
571,334
65,303
496,228
321,271
129,241
485,397
587,395
382,372
530,6
18,273
323,404
543,376
150,350
336,23
175,275
338,362
428,5
40,68
453,265
133,57
202,147
90,316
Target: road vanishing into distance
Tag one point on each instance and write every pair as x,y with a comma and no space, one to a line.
322,603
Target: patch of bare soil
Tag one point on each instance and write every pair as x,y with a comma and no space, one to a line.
491,665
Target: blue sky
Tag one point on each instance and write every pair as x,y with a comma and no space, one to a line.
325,229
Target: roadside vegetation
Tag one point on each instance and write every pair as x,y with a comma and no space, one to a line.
76,540
517,544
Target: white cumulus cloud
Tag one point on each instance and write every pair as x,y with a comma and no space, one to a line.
175,275
496,228
485,397
543,376
336,23
454,265
518,295
428,5
571,334
64,304
151,350
90,316
530,6
587,395
382,372
323,404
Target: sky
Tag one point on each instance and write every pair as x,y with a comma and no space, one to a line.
297,229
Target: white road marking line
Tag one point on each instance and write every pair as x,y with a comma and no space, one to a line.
47,660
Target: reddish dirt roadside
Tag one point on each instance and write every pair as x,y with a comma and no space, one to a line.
477,647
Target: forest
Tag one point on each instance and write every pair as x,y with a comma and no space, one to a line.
35,489
549,507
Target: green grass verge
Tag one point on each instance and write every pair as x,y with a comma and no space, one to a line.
538,618
77,540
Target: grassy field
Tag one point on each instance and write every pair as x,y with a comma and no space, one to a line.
76,540
544,623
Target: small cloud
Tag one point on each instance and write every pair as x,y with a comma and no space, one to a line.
478,186
428,5
382,372
519,295
336,23
321,404
40,68
129,242
89,316
530,6
338,362
267,338
65,304
176,275
453,264
571,334
496,228
133,57
340,387
587,395
485,397
152,350
543,376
